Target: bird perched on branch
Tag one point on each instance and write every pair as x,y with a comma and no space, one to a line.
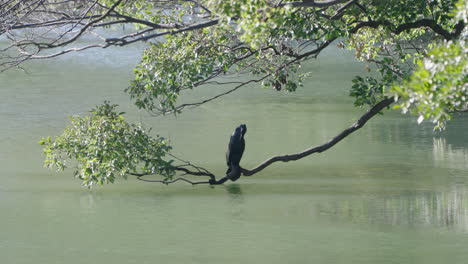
234,152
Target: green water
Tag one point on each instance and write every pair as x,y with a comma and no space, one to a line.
393,192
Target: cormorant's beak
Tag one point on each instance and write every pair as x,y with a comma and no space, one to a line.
243,129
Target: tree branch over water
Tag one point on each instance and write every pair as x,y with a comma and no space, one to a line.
321,148
284,158
193,43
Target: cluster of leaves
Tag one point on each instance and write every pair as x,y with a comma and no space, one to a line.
190,59
180,62
256,19
397,12
261,22
367,90
281,79
393,48
105,146
275,37
396,52
370,90
461,11
385,38
439,85
389,52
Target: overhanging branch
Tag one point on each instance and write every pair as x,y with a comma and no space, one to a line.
318,149
284,158
430,23
182,106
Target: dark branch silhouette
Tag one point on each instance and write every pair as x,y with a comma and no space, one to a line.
398,29
284,158
318,149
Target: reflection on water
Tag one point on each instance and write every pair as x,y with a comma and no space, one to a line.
234,190
437,209
88,202
323,209
236,202
449,155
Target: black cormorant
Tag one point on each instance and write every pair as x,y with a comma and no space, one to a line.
234,153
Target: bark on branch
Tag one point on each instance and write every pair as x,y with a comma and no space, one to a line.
318,149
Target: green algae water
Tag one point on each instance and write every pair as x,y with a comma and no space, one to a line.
393,192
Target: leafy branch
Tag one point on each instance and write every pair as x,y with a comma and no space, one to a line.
105,146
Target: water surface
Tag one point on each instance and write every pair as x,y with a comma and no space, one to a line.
393,192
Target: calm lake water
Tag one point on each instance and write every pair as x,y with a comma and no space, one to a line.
393,192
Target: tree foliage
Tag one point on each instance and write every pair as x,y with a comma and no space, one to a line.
439,85
105,146
179,63
415,51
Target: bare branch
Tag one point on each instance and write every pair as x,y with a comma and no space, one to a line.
318,149
84,28
187,168
315,52
182,106
53,55
123,42
171,181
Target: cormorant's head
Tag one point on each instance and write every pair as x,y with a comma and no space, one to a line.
240,131
243,128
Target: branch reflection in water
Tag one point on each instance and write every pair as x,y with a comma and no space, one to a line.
447,208
449,155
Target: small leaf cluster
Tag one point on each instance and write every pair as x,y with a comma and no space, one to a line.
284,79
430,91
254,18
367,91
180,62
402,11
260,23
371,43
461,11
105,146
370,90
439,85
